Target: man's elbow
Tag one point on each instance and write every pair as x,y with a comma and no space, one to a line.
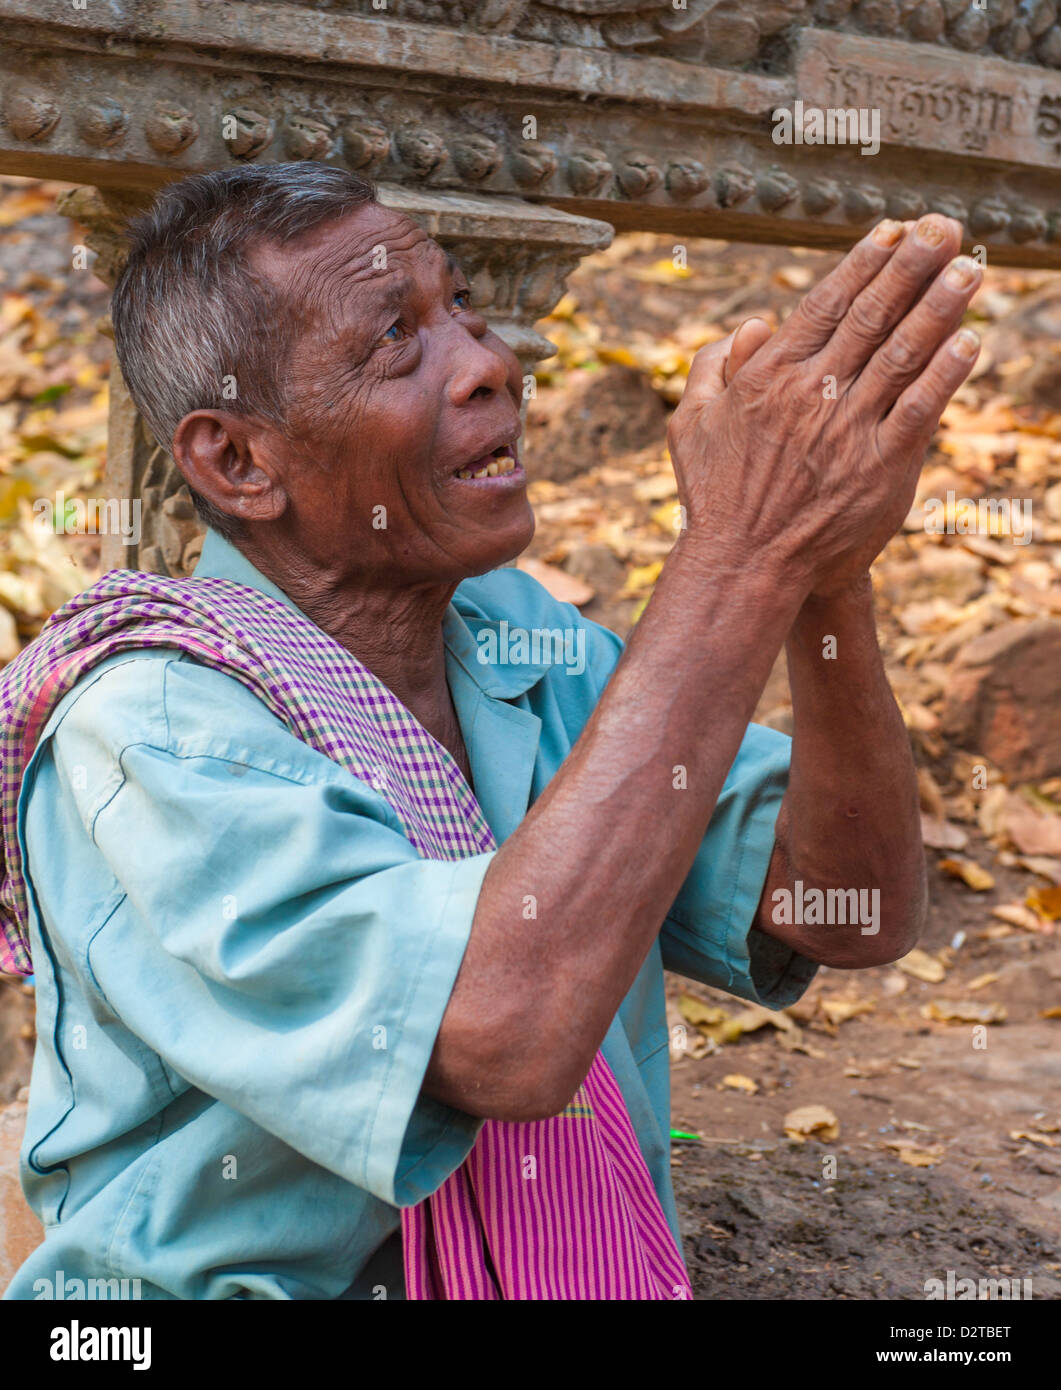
515,1085
883,936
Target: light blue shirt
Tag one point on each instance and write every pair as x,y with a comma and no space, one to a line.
242,964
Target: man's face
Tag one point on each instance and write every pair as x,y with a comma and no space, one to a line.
398,395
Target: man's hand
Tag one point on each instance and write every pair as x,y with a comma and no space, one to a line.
807,463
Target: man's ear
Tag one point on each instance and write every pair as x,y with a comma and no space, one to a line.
222,457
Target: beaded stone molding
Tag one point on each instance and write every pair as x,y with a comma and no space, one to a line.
658,136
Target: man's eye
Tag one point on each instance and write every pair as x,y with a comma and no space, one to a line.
396,330
463,299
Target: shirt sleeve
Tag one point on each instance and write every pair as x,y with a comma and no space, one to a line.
279,943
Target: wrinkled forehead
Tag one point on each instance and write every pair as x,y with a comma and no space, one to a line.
372,258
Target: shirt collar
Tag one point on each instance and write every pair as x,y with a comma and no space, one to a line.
461,624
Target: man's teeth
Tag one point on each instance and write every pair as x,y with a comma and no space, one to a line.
501,464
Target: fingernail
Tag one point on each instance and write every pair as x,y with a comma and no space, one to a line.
887,233
967,343
929,232
961,272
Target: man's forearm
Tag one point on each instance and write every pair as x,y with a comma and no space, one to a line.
850,818
602,853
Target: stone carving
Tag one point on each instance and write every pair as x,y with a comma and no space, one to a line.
101,123
864,202
686,178
699,30
532,163
247,133
776,189
475,157
638,175
627,132
30,115
821,195
588,171
734,184
365,143
169,129
421,149
988,217
305,138
742,31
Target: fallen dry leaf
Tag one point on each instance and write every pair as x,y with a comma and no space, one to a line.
970,873
916,1155
963,1011
840,1010
723,1027
658,488
794,277
922,966
1033,1137
1046,902
698,1013
937,833
795,1042
640,579
1017,916
1032,831
811,1121
736,1082
1043,865
982,981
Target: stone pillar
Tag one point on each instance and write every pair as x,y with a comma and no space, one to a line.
517,256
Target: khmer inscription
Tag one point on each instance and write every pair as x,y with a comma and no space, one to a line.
936,100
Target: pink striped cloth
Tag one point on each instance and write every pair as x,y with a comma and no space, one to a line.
559,1208
552,1209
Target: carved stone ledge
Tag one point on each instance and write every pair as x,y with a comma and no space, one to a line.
702,162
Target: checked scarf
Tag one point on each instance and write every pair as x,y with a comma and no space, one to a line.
550,1209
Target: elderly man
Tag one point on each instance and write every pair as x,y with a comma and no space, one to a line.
349,933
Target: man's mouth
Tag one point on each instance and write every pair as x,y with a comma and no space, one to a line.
502,461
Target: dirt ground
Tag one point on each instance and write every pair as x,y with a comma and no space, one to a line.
762,1221
939,1147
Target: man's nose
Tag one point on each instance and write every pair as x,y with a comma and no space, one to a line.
477,369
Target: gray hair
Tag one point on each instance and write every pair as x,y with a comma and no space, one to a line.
194,327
